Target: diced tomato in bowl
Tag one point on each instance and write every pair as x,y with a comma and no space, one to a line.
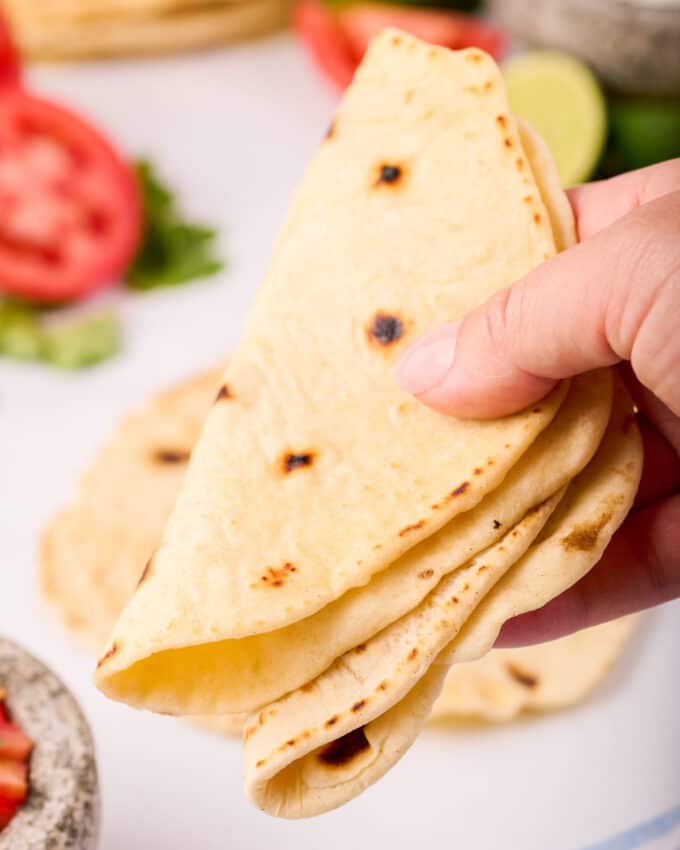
338,40
10,69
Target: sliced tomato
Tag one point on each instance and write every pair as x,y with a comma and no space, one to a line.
317,27
13,780
14,743
70,210
8,808
10,68
361,23
337,41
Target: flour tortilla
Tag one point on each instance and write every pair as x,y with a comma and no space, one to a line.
386,222
181,29
297,767
509,682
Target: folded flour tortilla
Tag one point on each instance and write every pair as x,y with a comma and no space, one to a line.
317,487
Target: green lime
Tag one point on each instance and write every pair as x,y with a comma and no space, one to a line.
563,100
645,131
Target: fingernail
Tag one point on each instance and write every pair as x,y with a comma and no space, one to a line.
425,365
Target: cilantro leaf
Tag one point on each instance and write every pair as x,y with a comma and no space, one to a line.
173,251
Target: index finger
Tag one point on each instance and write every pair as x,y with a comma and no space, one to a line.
598,205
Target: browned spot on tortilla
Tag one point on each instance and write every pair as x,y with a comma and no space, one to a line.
331,721
413,654
460,489
478,470
482,569
521,676
359,649
307,688
297,460
345,749
396,40
466,586
502,121
584,537
454,600
259,763
358,705
528,199
515,533
383,685
260,718
389,174
109,654
414,527
408,96
472,89
248,732
433,53
289,743
385,329
171,456
488,85
276,576
473,56
428,573
377,546
536,409
497,524
537,218
501,548
145,573
519,162
223,394
330,132
507,142
508,446
627,423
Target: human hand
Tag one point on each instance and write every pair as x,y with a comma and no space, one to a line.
614,299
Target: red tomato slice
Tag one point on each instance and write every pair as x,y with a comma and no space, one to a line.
8,808
13,780
70,211
450,29
10,72
338,42
14,743
325,41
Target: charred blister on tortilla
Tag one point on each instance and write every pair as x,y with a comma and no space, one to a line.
297,460
345,749
389,174
276,576
385,329
108,654
223,394
171,456
528,680
146,572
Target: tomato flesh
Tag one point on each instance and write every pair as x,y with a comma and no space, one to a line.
14,742
10,70
8,808
13,780
70,212
337,42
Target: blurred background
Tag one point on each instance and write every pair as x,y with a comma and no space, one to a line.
148,149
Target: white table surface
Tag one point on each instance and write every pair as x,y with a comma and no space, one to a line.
232,130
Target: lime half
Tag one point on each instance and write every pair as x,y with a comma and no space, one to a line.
563,100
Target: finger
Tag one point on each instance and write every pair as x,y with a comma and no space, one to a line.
615,297
640,569
598,205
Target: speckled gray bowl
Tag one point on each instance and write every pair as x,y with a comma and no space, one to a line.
633,46
62,810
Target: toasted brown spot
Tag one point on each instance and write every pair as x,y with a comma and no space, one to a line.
331,721
490,461
408,96
276,576
109,654
472,89
248,732
361,648
396,40
508,446
501,548
290,742
377,546
414,527
145,573
627,423
383,685
345,749
537,218
502,121
413,654
330,132
454,600
482,569
460,489
171,455
536,410
426,573
299,460
584,537
519,162
473,57
515,533
528,199
259,763
478,470
389,174
497,524
508,142
385,329
260,718
488,85
307,688
358,705
223,394
521,676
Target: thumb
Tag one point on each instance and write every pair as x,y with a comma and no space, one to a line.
614,297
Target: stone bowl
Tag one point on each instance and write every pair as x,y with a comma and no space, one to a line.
633,46
62,809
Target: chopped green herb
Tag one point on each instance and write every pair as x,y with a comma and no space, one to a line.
173,251
70,345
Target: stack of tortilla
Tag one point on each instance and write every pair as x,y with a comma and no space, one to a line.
76,29
335,545
91,551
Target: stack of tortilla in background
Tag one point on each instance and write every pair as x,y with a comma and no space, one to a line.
123,501
78,29
335,545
